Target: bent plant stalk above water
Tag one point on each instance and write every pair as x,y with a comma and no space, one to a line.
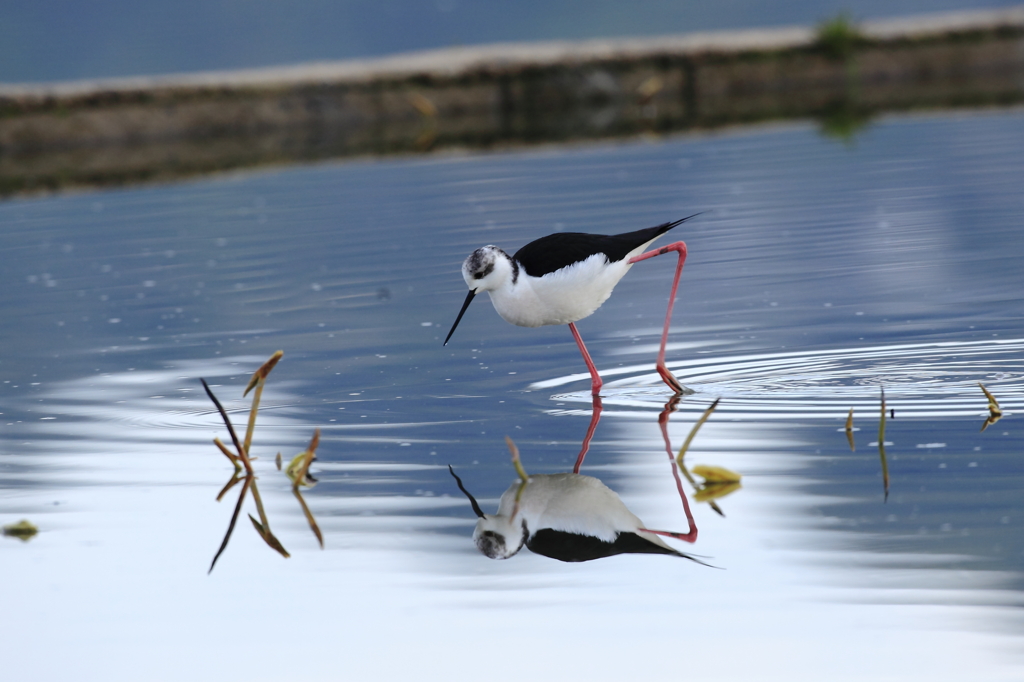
243,463
718,481
994,411
849,431
881,448
298,472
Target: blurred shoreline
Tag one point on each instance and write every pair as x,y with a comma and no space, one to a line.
130,130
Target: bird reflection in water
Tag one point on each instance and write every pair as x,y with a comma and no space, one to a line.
571,516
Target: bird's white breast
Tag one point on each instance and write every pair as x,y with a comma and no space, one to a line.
559,297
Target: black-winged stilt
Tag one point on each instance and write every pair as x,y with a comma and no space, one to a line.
564,277
569,517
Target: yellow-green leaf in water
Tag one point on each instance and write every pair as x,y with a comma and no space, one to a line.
296,466
713,491
712,474
23,530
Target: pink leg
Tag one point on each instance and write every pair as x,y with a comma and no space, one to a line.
595,378
663,423
595,417
680,248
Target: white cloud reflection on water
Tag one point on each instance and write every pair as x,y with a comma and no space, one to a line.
116,584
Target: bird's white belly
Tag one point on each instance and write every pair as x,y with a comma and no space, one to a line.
560,297
573,503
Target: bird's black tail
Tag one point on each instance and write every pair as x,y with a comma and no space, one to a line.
662,229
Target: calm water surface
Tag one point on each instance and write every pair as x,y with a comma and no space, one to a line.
68,39
818,272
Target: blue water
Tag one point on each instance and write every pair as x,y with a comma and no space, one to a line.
65,40
818,273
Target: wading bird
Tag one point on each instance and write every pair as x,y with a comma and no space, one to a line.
564,277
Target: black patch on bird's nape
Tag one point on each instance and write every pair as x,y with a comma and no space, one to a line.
562,249
515,269
492,544
480,263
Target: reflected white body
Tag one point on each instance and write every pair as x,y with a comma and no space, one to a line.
568,502
559,297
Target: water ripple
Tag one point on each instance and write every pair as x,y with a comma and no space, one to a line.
920,380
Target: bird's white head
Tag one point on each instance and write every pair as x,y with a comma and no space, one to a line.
486,269
489,268
499,536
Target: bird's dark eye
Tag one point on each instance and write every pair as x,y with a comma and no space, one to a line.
478,275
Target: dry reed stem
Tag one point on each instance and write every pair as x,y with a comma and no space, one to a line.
881,447
849,430
231,526
994,411
227,453
235,478
242,452
693,432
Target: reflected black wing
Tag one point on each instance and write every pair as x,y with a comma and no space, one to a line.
564,546
562,249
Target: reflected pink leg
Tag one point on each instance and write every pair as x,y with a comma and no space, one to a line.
663,423
680,248
595,417
595,378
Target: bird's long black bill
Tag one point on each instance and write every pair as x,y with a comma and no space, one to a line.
472,500
469,299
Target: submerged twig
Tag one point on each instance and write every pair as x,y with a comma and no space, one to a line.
523,478
264,528
849,430
262,525
881,447
515,459
298,472
308,456
232,457
268,537
234,519
994,412
231,484
693,431
242,452
309,517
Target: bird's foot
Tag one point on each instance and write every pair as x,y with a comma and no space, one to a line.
671,380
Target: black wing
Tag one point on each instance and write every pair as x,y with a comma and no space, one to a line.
564,546
562,249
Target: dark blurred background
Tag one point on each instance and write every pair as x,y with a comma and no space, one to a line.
53,40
